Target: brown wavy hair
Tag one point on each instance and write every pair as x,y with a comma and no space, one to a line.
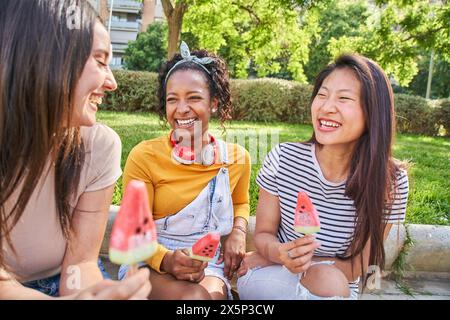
42,57
372,167
218,82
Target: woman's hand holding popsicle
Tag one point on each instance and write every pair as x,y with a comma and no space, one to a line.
134,287
179,264
297,255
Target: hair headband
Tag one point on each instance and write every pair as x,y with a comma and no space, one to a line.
186,55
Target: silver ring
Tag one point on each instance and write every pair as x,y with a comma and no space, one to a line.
289,254
191,278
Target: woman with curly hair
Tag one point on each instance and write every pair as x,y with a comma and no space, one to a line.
196,183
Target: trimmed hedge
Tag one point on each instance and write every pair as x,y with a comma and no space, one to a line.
270,100
442,114
414,115
136,91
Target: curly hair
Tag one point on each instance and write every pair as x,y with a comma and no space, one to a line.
218,82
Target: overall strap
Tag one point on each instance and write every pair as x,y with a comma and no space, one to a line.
223,151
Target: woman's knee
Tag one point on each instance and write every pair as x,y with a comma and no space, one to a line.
268,283
179,292
326,281
194,292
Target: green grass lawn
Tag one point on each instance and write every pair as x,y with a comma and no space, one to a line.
429,158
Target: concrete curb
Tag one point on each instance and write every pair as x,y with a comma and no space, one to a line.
431,249
429,253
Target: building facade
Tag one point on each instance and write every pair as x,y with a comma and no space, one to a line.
128,18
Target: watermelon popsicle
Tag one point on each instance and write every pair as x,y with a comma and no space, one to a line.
205,248
306,219
133,236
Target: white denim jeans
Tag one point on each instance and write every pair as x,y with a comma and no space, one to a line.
276,282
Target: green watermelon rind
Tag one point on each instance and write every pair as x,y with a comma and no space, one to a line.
307,229
133,256
197,257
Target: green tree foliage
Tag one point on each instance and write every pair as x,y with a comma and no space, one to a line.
294,39
440,87
337,18
149,50
397,32
174,10
255,35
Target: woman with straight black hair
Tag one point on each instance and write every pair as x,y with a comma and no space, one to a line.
348,172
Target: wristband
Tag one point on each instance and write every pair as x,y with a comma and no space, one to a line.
240,228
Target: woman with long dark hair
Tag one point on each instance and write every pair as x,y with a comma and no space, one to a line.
348,172
58,167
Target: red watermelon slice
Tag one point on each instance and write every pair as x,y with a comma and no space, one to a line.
205,248
133,236
306,219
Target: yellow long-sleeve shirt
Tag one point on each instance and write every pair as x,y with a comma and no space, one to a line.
172,186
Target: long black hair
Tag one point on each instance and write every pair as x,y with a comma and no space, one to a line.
372,167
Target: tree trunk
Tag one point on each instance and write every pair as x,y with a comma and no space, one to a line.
174,16
174,37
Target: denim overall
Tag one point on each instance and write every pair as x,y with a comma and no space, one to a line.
210,211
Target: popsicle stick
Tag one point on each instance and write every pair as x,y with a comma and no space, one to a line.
133,269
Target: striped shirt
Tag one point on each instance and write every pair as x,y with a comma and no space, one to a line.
292,167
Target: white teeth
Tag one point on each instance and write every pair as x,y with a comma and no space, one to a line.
96,100
185,122
329,124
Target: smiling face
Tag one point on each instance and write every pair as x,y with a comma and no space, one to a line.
336,110
188,102
95,79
